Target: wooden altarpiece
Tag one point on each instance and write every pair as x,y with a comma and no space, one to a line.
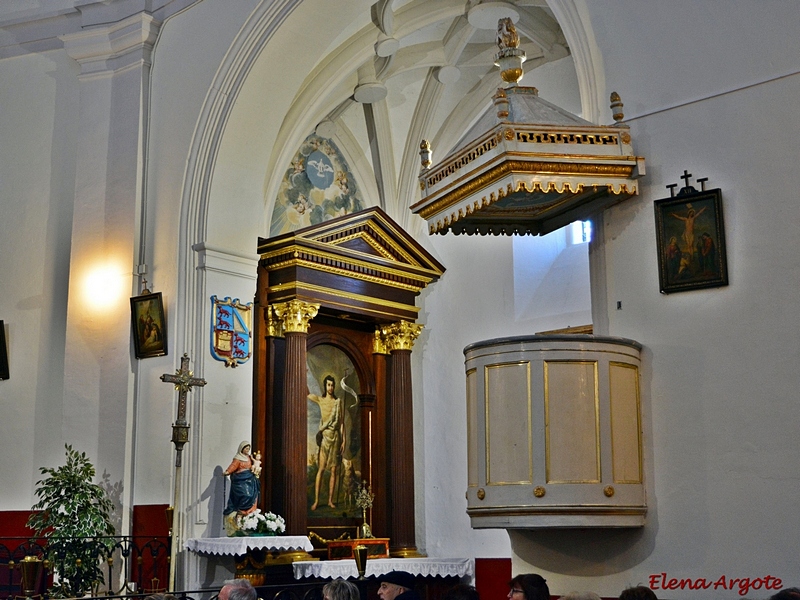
338,299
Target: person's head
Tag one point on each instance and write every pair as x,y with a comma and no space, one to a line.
328,385
238,589
394,583
339,589
528,587
580,596
640,592
244,448
792,593
461,591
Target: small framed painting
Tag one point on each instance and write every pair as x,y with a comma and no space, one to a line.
149,325
690,237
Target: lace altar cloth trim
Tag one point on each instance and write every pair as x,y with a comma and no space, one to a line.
431,567
240,545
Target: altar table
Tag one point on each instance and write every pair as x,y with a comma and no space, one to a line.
240,545
428,567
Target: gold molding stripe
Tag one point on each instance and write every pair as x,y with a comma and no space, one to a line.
307,252
296,261
311,287
378,314
519,167
373,243
528,427
577,330
613,363
524,134
326,233
546,374
530,158
463,158
472,421
621,353
369,240
583,509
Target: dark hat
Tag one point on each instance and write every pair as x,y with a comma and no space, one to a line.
401,578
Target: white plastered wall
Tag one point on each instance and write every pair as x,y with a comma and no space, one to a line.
36,195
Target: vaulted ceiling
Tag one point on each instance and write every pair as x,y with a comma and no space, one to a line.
386,75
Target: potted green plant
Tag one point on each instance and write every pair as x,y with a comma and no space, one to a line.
74,516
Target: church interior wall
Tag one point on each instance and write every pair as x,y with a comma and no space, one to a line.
719,379
37,172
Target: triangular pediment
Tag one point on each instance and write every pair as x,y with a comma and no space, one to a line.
365,251
371,232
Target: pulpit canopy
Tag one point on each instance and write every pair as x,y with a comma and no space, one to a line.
527,166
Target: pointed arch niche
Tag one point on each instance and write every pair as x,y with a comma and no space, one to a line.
336,316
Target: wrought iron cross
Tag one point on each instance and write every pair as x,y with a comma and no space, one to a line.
184,382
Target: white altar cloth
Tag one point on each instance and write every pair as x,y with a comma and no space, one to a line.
432,567
240,545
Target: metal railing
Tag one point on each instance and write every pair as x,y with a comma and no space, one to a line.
129,565
133,568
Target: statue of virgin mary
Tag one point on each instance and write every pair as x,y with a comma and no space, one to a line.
245,486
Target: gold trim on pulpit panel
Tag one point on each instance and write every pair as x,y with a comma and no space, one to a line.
471,418
598,469
486,368
638,420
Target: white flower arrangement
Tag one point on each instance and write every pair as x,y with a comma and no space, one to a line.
258,522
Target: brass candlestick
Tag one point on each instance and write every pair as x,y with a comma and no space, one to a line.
364,499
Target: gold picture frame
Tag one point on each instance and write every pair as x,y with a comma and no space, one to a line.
149,325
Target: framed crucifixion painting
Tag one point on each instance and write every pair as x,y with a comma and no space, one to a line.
690,236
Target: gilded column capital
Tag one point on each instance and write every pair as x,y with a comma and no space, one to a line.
379,343
295,315
274,324
400,335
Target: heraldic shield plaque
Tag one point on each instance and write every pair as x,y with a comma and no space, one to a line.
231,330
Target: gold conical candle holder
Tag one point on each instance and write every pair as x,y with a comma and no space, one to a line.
360,554
31,567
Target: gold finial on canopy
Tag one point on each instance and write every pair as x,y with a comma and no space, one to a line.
510,57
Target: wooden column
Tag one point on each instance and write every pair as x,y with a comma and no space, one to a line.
295,316
379,467
263,357
399,339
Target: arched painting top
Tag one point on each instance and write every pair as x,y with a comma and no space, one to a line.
316,187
